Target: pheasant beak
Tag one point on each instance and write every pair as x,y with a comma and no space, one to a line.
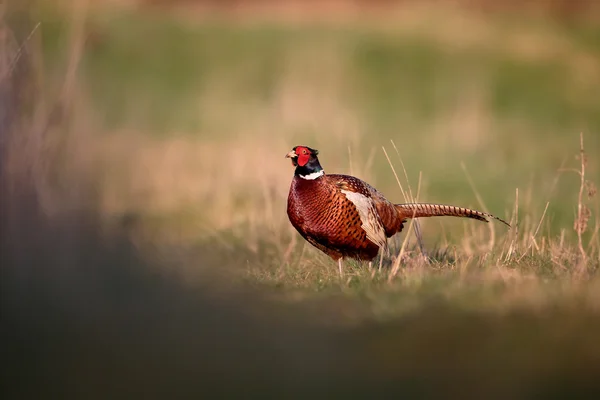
291,154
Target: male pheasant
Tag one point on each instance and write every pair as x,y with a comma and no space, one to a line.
344,216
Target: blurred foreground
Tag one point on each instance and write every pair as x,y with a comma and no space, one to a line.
144,243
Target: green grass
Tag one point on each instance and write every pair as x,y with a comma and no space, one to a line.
515,116
504,102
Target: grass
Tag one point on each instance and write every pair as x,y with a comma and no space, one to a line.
476,120
149,213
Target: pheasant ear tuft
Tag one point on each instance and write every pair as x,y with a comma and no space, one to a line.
315,152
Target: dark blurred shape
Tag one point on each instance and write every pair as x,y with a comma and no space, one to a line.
84,316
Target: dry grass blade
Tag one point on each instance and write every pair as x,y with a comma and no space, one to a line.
19,52
581,223
395,175
583,213
413,220
350,160
514,221
417,225
532,238
398,261
593,238
482,204
411,199
77,44
407,198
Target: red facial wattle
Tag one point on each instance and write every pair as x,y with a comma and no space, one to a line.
303,159
303,156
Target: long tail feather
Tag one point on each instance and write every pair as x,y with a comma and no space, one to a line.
420,210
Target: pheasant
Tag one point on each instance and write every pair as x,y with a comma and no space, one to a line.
344,216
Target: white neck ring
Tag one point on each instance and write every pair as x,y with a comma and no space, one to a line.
313,176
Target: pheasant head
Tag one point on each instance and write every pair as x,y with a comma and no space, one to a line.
306,162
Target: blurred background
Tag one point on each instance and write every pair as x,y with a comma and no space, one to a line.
146,250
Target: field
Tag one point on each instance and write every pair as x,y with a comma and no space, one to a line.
146,248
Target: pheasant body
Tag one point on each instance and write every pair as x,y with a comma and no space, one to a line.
324,214
344,216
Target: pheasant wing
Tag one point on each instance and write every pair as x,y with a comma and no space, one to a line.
359,194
